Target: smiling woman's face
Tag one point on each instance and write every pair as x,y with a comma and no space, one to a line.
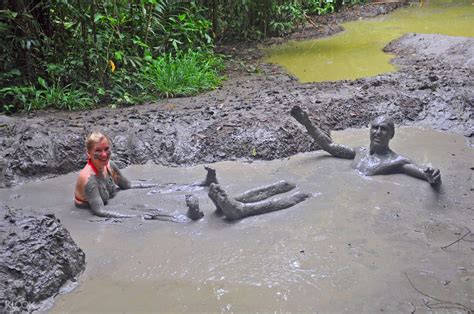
100,153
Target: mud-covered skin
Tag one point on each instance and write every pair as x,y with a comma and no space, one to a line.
97,198
126,184
194,212
321,139
375,164
234,209
264,192
161,215
210,177
379,159
260,193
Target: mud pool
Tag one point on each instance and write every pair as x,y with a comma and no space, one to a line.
347,248
345,55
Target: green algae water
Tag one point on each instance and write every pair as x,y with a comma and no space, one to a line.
357,52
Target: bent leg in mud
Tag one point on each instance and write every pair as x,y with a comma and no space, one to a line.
261,193
234,209
264,192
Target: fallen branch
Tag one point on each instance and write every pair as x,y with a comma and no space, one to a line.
310,20
458,240
446,305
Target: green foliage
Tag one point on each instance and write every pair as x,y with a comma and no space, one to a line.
286,17
319,7
92,52
257,19
55,96
183,74
187,30
126,52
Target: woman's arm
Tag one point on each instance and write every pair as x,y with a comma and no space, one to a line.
326,143
95,201
125,183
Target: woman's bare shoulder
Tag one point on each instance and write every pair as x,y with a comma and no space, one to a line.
85,174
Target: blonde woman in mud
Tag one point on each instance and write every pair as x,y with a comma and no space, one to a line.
99,178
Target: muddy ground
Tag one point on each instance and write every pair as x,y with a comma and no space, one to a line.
248,117
37,257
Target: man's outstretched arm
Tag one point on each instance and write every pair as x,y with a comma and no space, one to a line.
326,143
432,175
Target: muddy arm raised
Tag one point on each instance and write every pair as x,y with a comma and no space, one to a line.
324,141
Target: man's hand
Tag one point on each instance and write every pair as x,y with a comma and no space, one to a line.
433,175
299,115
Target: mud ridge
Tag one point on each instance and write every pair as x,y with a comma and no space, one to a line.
37,257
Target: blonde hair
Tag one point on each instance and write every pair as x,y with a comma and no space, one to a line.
94,138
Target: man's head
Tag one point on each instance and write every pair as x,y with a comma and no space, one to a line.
382,130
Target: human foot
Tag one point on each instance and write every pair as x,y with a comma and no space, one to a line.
193,207
231,208
213,192
210,177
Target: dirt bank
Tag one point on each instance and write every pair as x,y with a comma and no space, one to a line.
37,257
248,117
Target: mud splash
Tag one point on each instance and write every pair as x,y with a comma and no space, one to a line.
347,248
345,55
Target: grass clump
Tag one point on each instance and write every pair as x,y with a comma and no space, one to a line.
183,74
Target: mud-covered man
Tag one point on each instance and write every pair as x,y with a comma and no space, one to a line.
378,158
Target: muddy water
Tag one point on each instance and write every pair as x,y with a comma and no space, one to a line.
347,248
357,52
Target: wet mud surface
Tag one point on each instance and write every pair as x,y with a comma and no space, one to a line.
358,245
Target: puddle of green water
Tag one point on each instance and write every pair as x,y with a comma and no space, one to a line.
357,52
